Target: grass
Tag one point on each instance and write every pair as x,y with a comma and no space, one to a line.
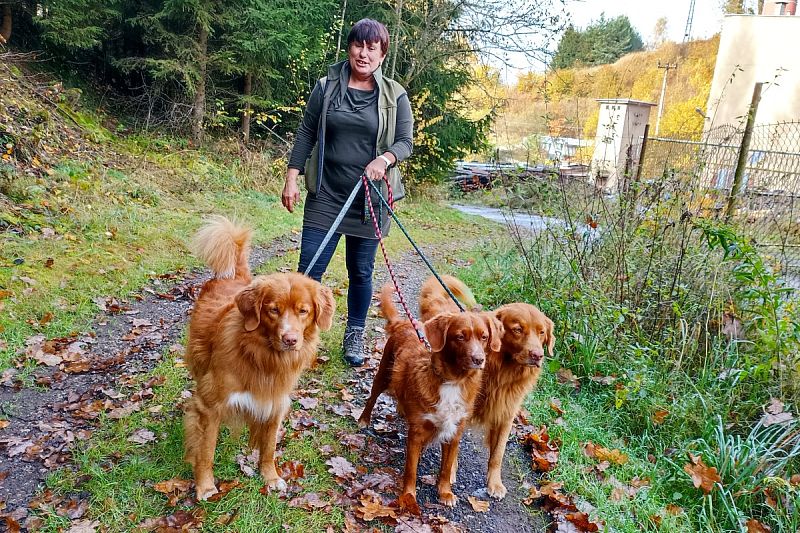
704,410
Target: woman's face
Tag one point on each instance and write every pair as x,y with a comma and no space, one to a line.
365,58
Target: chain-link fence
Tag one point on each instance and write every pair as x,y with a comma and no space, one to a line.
766,205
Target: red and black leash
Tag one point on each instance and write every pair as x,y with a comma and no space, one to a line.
389,205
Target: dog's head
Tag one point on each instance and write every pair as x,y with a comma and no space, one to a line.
526,332
464,338
287,309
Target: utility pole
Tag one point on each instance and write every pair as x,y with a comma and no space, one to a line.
687,32
666,68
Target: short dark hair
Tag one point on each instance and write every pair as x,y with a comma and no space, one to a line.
369,31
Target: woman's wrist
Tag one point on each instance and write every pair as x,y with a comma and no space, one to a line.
385,160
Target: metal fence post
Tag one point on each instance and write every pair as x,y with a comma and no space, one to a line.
744,149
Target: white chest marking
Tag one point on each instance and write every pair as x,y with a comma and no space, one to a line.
244,401
449,412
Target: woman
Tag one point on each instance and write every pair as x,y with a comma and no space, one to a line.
356,122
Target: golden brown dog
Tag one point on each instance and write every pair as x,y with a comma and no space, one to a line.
511,371
249,340
435,390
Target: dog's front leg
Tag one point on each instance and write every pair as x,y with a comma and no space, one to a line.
201,429
447,473
267,441
497,439
414,444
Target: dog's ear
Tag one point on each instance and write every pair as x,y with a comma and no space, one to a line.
549,335
249,303
495,331
324,307
436,331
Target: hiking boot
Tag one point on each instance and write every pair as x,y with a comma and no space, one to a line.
353,345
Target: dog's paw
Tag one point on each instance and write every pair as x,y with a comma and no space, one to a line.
497,490
205,492
277,484
448,498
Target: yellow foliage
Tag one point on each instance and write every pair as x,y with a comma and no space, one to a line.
564,101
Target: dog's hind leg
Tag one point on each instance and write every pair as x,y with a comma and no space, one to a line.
380,383
200,431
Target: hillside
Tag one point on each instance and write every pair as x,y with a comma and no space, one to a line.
562,102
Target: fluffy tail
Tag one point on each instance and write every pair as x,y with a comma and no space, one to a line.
461,291
388,309
225,247
434,300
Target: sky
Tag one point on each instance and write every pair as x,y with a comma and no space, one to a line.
643,14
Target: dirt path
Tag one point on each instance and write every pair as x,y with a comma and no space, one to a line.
65,405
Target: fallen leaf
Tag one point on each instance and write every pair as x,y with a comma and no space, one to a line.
142,436
582,522
223,488
659,416
544,452
754,526
555,405
565,375
175,484
674,510
309,501
600,453
4,424
379,480
308,403
372,508
340,467
703,477
84,526
479,506
795,480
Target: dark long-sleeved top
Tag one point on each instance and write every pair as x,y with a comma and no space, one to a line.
350,145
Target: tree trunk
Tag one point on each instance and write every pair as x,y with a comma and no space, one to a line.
5,26
247,91
398,12
341,27
199,109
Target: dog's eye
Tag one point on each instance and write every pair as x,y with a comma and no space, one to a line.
302,312
485,336
274,311
460,337
517,330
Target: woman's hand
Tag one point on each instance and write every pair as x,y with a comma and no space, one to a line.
376,169
291,194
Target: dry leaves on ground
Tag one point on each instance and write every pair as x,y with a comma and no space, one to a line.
703,477
754,526
479,506
615,456
775,413
340,467
544,452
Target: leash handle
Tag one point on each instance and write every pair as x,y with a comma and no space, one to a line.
414,244
417,326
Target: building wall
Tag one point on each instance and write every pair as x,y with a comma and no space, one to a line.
756,49
772,7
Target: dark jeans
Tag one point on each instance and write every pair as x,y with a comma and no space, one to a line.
360,262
